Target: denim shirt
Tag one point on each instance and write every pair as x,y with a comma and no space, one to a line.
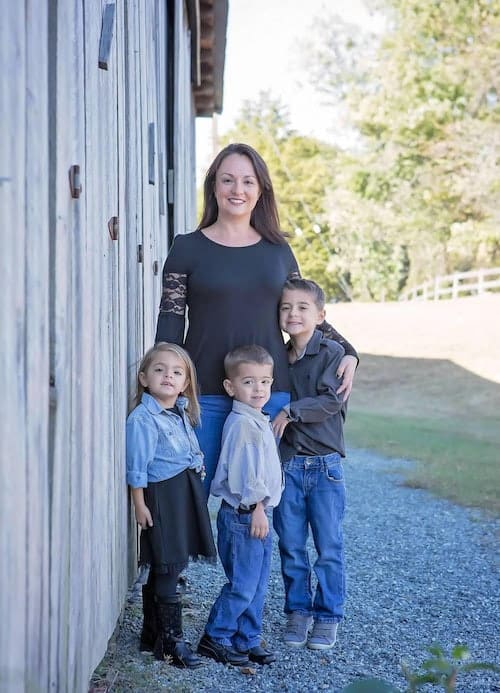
160,443
249,468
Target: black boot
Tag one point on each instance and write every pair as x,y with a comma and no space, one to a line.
170,640
149,631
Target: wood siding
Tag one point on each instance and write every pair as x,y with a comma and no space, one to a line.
78,304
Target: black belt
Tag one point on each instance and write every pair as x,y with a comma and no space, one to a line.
241,509
246,509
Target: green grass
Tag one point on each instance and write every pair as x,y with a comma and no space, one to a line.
458,463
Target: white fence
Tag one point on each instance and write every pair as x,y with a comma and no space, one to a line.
475,282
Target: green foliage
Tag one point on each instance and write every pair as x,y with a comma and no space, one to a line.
443,670
420,197
438,670
442,449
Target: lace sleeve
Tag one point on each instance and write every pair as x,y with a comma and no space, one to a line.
173,299
331,333
171,316
293,267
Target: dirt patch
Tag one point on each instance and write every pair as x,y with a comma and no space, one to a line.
427,359
465,331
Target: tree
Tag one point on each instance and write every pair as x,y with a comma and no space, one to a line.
421,196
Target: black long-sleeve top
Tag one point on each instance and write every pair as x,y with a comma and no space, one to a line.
232,297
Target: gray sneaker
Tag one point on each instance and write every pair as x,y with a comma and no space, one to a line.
323,636
297,628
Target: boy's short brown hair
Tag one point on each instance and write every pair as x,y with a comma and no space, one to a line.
250,353
311,287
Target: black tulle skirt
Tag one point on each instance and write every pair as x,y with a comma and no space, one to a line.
181,524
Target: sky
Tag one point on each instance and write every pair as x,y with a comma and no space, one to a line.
262,55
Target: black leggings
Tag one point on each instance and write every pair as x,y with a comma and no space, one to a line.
164,585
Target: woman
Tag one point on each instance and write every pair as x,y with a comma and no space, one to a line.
229,274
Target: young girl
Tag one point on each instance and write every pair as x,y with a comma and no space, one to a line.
164,469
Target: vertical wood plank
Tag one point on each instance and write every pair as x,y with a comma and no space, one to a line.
162,78
120,568
67,137
148,94
184,183
105,406
134,193
131,189
37,346
13,505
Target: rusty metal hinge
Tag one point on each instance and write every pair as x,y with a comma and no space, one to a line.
75,184
113,228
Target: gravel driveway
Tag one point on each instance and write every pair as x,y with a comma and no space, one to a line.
419,570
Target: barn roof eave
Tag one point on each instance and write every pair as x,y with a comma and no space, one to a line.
208,24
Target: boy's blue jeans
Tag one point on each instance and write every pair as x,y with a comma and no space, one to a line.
236,617
314,496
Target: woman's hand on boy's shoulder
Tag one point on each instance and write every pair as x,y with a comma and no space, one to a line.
345,371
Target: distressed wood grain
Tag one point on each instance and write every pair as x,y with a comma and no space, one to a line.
78,310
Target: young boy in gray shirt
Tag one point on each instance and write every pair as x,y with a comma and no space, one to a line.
311,449
248,478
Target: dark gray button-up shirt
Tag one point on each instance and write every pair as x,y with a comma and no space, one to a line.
317,412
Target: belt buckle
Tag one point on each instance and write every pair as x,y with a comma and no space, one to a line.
246,509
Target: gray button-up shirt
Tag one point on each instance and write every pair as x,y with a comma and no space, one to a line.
249,468
317,412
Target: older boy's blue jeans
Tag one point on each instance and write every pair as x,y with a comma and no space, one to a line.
236,617
314,496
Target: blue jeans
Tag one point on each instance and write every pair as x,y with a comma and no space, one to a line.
214,411
236,617
314,496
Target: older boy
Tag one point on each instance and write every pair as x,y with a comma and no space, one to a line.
249,480
311,449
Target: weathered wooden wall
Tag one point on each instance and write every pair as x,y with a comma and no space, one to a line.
78,307
24,345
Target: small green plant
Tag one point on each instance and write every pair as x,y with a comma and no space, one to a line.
437,670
